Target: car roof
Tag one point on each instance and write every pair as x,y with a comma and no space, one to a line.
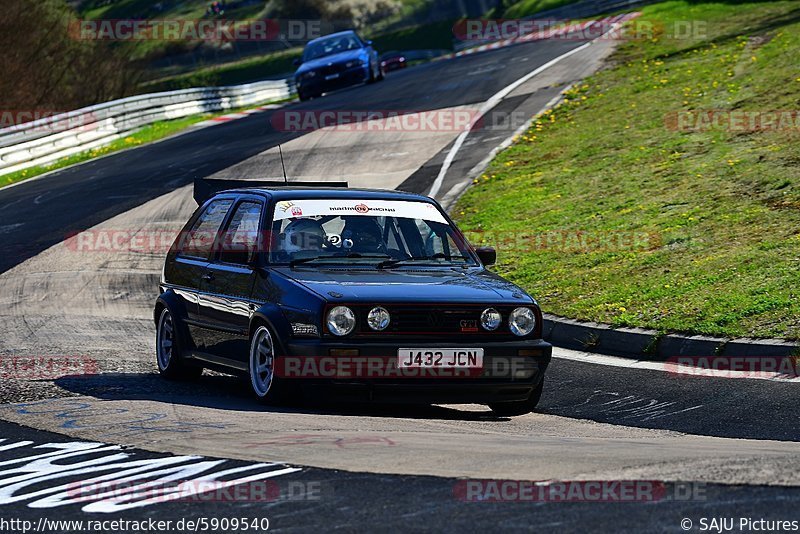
304,193
337,34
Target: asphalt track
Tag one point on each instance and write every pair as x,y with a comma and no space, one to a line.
381,467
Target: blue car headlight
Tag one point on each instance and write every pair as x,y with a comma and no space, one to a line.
354,63
307,75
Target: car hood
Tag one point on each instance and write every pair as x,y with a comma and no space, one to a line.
406,285
347,55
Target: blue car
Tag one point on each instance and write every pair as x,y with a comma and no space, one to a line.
366,294
335,61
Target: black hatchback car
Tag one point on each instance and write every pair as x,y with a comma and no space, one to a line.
374,295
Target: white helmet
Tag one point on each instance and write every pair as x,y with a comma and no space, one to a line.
303,234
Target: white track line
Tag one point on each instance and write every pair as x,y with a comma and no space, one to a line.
451,196
488,105
674,368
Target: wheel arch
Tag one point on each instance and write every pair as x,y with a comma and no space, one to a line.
271,317
169,300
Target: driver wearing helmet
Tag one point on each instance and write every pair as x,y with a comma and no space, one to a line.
364,236
302,238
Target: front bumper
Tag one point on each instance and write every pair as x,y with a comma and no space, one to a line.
511,371
319,84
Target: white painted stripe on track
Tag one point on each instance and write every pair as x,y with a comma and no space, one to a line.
488,105
497,97
669,367
452,195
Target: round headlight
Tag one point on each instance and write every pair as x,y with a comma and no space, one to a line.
522,321
490,319
378,318
341,320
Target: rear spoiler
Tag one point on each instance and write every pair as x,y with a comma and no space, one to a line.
205,188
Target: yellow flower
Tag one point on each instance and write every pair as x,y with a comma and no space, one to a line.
622,308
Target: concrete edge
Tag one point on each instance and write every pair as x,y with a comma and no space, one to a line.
650,345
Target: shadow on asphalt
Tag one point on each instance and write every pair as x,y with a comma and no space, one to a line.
224,392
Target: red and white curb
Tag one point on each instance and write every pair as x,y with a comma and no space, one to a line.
238,115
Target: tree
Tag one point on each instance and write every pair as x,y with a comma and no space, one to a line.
46,67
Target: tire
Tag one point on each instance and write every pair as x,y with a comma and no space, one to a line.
380,74
302,96
371,76
169,345
519,407
266,387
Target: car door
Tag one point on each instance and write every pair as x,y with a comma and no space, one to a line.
188,262
225,304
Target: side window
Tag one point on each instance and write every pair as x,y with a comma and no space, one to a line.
200,239
241,239
438,241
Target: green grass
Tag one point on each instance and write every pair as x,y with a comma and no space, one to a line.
147,134
244,71
436,35
529,7
724,206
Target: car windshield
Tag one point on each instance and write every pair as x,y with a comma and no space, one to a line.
384,233
327,47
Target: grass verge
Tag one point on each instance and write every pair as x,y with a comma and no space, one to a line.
530,7
607,212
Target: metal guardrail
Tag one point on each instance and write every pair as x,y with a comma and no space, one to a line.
48,139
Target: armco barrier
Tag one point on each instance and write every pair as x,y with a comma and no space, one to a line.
45,140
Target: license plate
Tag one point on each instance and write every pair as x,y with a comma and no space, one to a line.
440,358
331,76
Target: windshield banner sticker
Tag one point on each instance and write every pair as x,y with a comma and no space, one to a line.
287,209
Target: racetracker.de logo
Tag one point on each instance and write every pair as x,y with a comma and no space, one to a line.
175,30
733,120
140,241
560,491
734,366
552,491
609,28
48,121
194,491
567,241
387,367
46,367
448,120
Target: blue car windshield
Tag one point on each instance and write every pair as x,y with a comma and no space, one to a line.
383,232
327,47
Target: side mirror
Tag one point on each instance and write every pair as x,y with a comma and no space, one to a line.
296,62
487,255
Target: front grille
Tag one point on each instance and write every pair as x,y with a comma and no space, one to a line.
332,69
435,319
432,319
